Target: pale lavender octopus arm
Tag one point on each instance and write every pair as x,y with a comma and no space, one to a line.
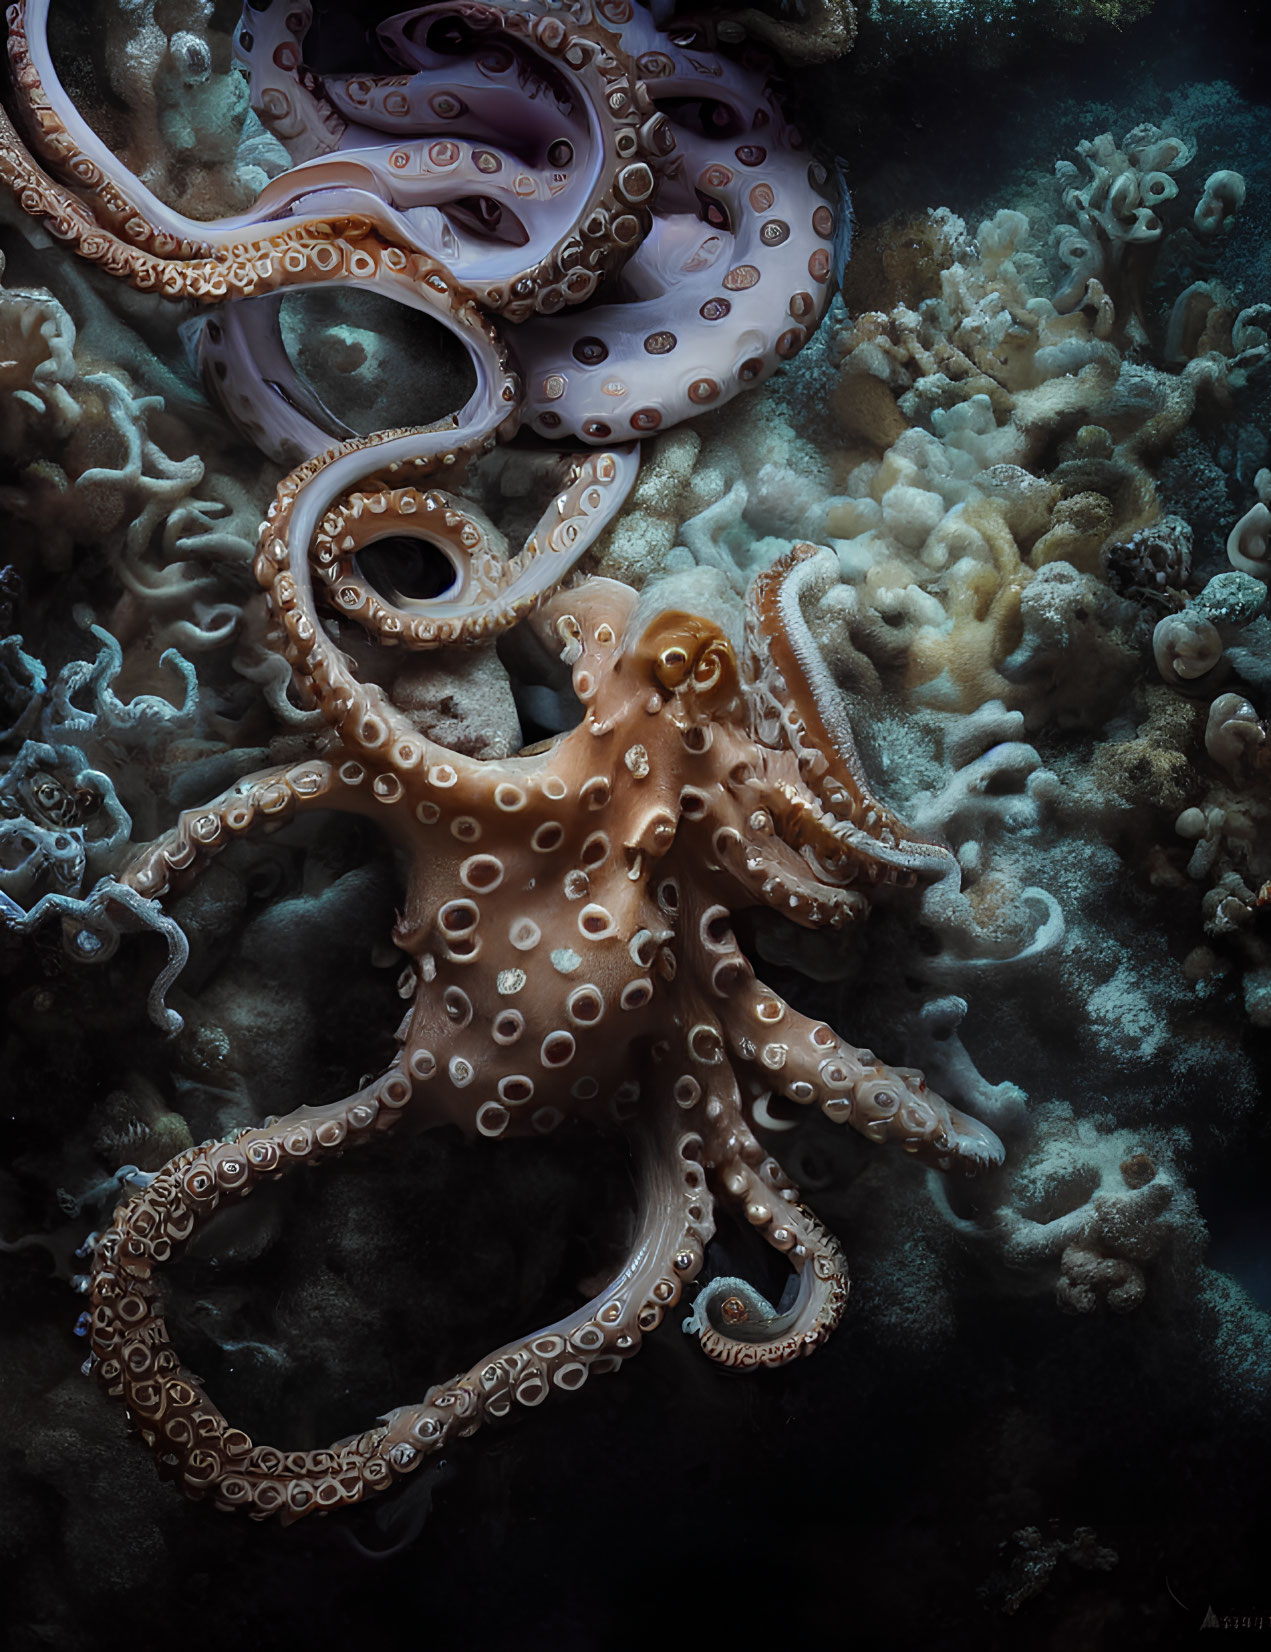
399,186
241,353
732,279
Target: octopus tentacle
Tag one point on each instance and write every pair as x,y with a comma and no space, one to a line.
65,140
736,1325
775,875
574,194
584,218
131,1353
278,410
808,1062
732,279
300,518
675,1224
331,247
132,1356
263,801
804,700
489,594
289,98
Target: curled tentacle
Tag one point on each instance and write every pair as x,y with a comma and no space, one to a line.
489,594
735,1323
581,216
132,1356
775,875
492,596
733,277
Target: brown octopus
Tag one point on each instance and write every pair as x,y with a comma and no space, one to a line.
569,921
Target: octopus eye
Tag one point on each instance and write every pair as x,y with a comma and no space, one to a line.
733,1311
673,666
709,669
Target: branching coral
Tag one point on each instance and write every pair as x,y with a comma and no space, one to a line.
1087,1212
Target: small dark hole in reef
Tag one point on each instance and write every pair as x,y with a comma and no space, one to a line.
1062,1198
407,568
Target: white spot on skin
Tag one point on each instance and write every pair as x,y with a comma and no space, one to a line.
510,981
525,934
564,959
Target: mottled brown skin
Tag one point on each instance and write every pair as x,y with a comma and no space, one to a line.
568,916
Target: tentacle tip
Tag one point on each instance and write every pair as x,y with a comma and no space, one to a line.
978,1151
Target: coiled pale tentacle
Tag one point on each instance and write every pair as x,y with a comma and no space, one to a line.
522,148
732,279
489,594
289,99
368,723
734,1322
582,215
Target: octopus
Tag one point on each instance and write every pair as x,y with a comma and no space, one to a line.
569,913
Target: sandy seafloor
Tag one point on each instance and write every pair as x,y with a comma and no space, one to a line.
872,1495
